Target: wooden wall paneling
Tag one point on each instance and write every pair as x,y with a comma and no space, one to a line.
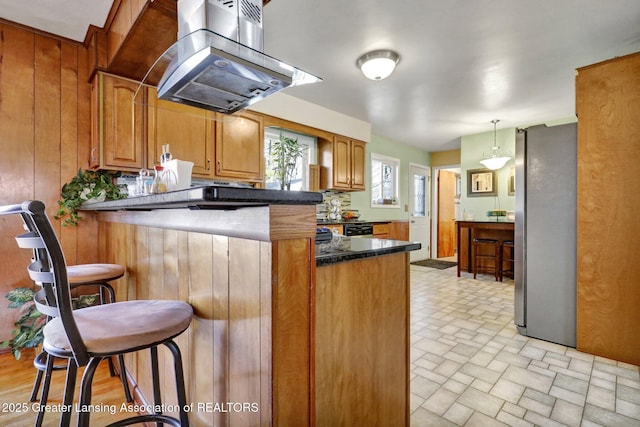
292,343
16,163
220,304
202,330
265,331
183,283
68,138
245,318
47,98
169,285
608,105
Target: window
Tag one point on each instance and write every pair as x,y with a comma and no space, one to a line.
384,181
300,179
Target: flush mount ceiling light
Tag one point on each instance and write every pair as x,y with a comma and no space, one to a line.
495,159
379,64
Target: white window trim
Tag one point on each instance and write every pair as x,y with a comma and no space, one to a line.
397,164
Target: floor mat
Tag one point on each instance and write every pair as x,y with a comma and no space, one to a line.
435,263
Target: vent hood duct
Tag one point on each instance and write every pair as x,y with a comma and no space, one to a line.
217,63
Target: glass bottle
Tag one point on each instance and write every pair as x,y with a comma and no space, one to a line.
158,185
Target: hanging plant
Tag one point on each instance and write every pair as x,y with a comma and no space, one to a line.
86,187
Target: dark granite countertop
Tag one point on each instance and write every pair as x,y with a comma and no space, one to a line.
348,221
342,248
209,197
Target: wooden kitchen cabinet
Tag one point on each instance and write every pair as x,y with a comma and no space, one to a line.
608,295
117,131
342,162
239,148
189,131
381,231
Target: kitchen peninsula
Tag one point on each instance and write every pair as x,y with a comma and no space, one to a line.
294,329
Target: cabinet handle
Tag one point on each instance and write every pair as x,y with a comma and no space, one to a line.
93,154
219,166
208,164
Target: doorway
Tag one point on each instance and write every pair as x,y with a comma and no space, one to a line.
419,215
446,206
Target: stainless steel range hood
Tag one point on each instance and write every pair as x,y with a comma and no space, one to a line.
217,63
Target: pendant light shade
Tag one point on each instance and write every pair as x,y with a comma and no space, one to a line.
495,159
379,64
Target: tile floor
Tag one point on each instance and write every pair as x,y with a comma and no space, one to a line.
470,367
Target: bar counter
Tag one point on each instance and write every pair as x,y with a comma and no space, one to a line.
267,304
468,230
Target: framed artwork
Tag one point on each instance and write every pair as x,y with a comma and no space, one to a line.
482,182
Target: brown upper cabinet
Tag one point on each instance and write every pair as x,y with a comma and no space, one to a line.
189,131
342,163
221,147
240,147
117,129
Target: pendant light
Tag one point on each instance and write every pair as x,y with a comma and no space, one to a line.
379,64
495,159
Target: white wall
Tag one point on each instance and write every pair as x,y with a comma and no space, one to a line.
296,110
472,148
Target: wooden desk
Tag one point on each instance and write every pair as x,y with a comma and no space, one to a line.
468,230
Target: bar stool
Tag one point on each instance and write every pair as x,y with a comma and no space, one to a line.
85,337
82,275
486,250
507,257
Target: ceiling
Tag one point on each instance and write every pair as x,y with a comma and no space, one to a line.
463,63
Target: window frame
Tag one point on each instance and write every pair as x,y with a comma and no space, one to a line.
396,164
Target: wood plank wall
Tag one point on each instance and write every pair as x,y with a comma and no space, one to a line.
227,350
44,139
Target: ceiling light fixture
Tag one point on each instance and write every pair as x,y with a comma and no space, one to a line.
379,64
494,159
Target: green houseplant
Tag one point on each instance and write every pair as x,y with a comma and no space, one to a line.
27,331
98,185
284,155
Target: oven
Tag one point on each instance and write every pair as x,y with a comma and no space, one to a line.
358,229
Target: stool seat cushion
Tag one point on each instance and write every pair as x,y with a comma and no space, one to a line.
122,326
91,273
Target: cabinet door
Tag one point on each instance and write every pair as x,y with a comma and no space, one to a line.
188,131
358,156
121,121
341,163
240,147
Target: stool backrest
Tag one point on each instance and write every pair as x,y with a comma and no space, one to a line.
48,269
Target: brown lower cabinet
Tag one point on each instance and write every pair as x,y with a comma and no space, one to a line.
362,342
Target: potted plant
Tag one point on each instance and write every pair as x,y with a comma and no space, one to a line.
27,331
85,187
284,155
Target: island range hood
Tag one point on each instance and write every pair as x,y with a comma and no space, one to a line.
217,63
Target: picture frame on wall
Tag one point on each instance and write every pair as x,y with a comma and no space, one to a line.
482,182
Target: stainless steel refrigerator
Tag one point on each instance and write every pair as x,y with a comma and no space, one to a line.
545,233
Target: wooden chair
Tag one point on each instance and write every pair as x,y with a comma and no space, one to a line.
486,257
87,336
507,259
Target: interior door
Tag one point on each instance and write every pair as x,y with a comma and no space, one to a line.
446,214
419,223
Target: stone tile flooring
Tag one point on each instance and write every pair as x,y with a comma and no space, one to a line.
470,367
